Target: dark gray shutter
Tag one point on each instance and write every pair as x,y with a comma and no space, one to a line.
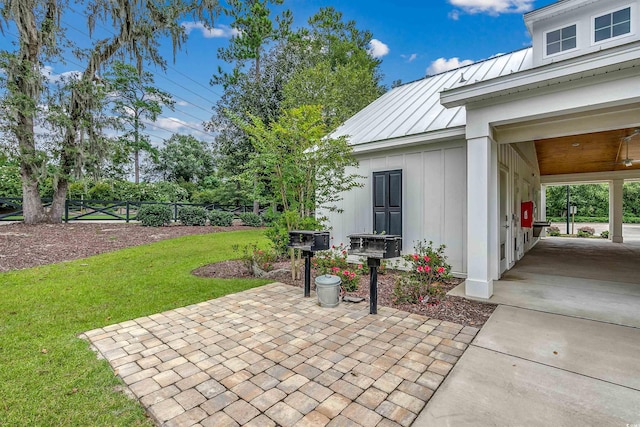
387,202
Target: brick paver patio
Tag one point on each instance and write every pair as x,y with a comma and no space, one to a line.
268,356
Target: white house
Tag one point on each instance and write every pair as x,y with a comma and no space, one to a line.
451,157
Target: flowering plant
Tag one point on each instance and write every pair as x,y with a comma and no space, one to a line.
427,267
334,261
254,256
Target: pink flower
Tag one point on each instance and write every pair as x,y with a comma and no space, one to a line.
335,269
415,257
346,272
344,252
333,246
427,269
360,266
440,270
420,269
426,258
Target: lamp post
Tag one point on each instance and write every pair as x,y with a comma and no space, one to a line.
568,208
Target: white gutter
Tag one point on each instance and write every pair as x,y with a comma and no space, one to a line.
409,140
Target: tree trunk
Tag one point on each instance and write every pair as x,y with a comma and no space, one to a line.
32,209
59,198
136,165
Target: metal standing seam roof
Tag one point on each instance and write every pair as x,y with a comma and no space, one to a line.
415,108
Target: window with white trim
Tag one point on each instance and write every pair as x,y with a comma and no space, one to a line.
561,40
612,24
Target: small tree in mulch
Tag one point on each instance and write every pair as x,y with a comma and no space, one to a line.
422,282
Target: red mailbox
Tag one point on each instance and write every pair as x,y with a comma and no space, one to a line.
526,216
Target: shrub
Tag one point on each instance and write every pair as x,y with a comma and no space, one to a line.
10,181
250,219
427,267
253,255
192,215
125,190
101,191
269,217
163,192
278,233
206,197
605,234
586,231
334,261
154,215
553,231
220,218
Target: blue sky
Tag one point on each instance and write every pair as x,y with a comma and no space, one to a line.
412,38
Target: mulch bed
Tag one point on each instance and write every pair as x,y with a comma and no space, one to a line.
450,308
25,246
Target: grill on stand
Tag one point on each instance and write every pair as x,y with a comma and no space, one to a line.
308,242
374,247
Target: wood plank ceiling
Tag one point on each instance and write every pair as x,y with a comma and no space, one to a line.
591,152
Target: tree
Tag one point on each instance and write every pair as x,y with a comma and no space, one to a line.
342,90
326,63
139,26
136,100
304,169
184,158
255,31
339,73
37,23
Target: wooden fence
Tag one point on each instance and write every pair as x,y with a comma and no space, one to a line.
105,210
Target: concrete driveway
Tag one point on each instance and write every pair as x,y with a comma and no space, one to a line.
560,350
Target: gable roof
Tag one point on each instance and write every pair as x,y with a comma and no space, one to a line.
414,108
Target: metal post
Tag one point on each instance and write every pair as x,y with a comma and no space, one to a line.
127,211
66,211
307,273
373,264
568,209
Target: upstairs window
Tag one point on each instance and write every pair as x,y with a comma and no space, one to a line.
612,24
561,40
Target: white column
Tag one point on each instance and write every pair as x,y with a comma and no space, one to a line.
483,243
615,210
542,215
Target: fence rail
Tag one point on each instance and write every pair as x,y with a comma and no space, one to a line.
107,210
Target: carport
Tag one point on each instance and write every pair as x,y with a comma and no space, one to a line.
566,122
586,278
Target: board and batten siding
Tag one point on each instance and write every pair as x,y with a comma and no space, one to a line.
434,198
524,184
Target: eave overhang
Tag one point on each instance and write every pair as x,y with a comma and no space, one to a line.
597,63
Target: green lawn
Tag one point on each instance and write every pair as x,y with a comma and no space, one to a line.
48,377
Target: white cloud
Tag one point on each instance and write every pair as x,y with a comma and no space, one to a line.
171,124
182,104
491,7
454,14
377,49
410,58
209,33
52,77
441,65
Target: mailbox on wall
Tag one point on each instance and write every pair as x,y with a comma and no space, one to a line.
526,214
